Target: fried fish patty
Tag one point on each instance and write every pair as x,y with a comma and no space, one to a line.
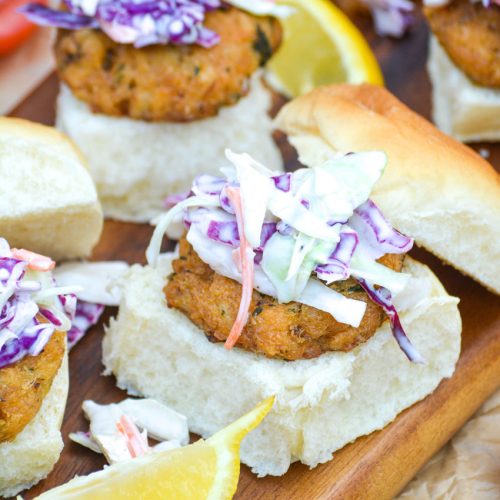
167,83
470,34
24,385
286,331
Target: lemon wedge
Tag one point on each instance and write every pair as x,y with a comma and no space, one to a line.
320,46
206,470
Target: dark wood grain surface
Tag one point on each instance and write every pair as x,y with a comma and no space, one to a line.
375,466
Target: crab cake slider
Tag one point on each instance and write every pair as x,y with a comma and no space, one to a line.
298,284
35,315
152,92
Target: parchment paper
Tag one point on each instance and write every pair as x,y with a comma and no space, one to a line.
23,70
468,467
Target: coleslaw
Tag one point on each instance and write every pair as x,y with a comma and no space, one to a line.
32,306
142,22
291,235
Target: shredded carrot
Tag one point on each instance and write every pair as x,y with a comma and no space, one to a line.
35,261
246,260
136,443
236,256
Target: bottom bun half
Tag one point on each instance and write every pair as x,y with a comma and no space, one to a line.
31,456
136,164
321,404
466,111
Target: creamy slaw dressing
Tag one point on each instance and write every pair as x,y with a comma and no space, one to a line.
115,429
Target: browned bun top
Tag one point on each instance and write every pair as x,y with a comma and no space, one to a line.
434,188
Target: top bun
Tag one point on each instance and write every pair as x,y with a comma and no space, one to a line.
48,202
434,188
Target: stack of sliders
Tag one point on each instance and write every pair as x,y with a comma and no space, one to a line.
152,94
464,67
297,285
48,203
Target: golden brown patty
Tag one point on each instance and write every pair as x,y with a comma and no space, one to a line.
286,331
24,385
470,34
167,83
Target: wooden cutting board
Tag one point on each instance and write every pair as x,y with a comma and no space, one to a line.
376,466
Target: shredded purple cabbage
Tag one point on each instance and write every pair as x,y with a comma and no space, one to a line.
34,337
50,316
172,200
225,202
69,304
137,22
442,3
383,298
209,185
87,314
337,267
268,229
225,232
395,17
283,182
213,186
378,236
45,16
391,17
21,331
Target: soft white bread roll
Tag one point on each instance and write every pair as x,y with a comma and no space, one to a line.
136,164
33,453
434,188
321,404
48,202
460,108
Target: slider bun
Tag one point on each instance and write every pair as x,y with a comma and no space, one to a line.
48,202
434,188
30,457
460,108
321,404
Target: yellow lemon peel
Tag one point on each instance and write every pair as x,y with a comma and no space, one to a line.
206,469
321,46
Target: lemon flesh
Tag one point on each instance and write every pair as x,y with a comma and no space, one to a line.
321,46
206,470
